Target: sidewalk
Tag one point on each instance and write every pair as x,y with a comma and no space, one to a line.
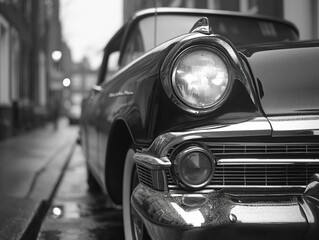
31,166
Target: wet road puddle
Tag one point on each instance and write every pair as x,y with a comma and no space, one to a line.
74,220
77,213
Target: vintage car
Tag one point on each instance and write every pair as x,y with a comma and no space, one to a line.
205,125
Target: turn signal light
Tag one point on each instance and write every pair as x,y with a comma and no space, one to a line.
193,167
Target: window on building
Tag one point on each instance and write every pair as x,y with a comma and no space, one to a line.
76,81
15,64
4,62
89,81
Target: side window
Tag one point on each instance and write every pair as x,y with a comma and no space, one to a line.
110,63
134,47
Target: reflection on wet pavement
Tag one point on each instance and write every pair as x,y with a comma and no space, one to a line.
78,214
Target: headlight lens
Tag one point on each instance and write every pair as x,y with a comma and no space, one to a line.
200,78
194,167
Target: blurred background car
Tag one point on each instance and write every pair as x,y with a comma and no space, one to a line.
73,113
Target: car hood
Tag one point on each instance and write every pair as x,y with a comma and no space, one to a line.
286,76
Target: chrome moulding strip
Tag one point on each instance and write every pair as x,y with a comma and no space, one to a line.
257,186
250,161
254,127
209,188
304,125
152,162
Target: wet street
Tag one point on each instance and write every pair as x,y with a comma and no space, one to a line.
78,214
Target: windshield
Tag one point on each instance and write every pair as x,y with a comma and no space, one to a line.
239,30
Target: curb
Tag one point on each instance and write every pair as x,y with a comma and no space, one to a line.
34,225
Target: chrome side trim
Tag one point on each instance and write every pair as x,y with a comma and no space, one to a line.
255,127
257,186
295,125
210,188
313,186
97,88
255,161
120,94
152,162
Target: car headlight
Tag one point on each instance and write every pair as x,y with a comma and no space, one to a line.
193,167
201,78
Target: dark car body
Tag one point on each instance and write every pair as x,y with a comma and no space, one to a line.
241,165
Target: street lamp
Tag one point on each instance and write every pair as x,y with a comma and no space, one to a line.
66,82
56,56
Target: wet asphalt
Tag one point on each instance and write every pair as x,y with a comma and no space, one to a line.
76,213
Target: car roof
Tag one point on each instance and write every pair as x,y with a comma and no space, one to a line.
192,11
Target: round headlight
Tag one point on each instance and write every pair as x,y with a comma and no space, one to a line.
200,78
194,167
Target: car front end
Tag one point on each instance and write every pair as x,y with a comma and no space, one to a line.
241,159
240,183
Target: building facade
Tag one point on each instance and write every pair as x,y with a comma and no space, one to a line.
29,31
305,14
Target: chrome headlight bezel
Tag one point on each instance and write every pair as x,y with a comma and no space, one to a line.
182,103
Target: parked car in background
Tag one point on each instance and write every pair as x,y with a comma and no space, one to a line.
208,127
73,108
73,113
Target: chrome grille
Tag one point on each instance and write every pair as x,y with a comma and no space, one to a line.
145,175
238,173
154,178
264,175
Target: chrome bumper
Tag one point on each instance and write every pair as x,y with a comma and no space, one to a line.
218,215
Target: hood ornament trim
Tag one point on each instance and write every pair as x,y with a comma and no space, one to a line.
202,26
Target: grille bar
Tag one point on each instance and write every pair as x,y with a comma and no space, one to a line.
263,161
269,149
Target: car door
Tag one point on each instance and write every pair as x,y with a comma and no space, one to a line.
93,112
93,106
121,51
